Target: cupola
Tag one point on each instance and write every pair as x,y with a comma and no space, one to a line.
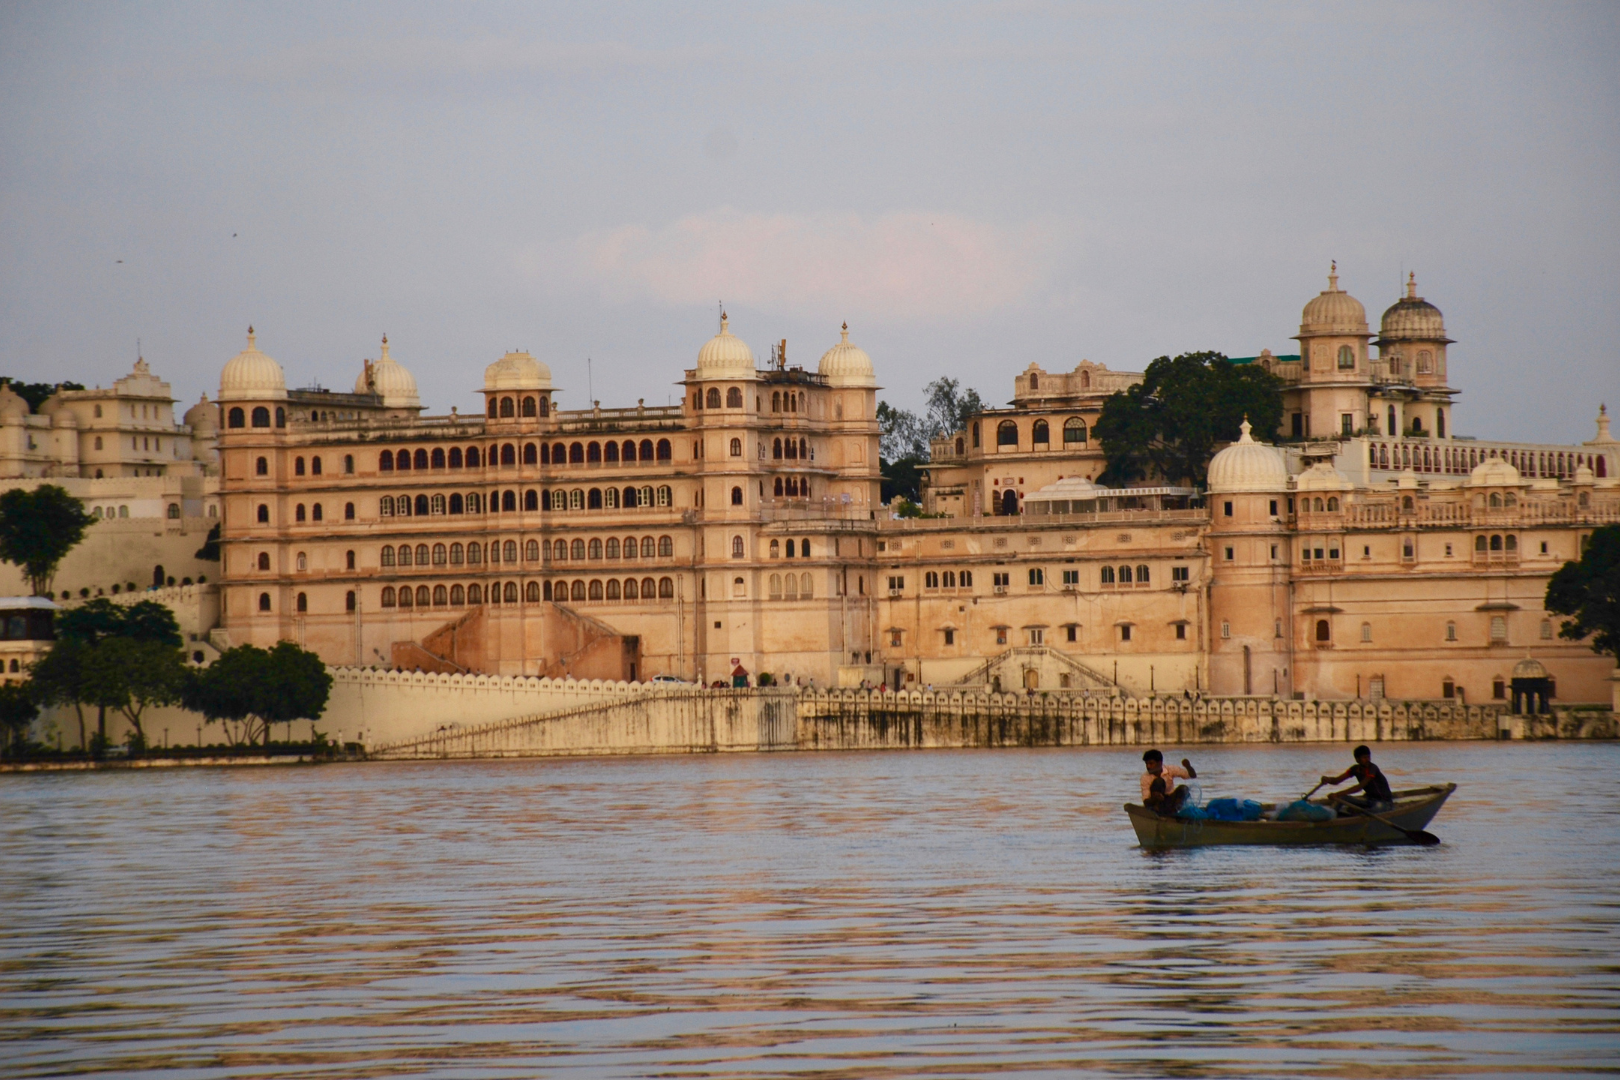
724,356
250,375
1247,466
847,365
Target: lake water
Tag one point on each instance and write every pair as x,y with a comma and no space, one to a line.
948,913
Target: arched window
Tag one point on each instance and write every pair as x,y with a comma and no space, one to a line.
593,550
475,594
264,514
1366,632
712,398
264,601
437,459
1347,358
1074,431
507,408
531,500
1009,503
665,452
402,460
475,554
736,497
666,588
646,449
736,448
508,454
472,457
559,550
494,408
631,498
261,467
666,546
531,551
1496,543
388,555
1108,575
531,592
261,418
264,560
628,451
440,554
458,596
593,497
455,457
612,547
576,591
595,592
421,554
610,452
298,512
736,547
457,505
420,460
1007,433
576,550
388,596
1124,575
298,466
456,555
1496,500
1040,433
528,406
508,502
1332,504
648,548
576,499
734,398
235,418
1141,575
314,512
776,449
1323,631
421,506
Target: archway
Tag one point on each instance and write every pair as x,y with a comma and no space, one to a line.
1009,503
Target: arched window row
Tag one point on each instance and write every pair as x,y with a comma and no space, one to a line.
1126,575
791,449
608,590
790,587
791,487
1460,461
612,547
563,500
508,407
510,454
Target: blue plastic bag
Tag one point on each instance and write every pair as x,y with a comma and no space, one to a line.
1300,810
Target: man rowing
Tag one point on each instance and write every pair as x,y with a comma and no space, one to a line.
1370,781
1158,794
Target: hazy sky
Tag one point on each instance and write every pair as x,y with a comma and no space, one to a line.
973,187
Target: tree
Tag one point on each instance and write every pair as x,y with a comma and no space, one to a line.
949,407
1168,425
38,528
18,708
100,618
57,677
131,676
78,672
248,689
210,548
1588,592
35,393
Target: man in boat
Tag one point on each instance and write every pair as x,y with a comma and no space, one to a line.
1158,792
1370,781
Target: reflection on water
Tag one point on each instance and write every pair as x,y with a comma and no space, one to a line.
947,913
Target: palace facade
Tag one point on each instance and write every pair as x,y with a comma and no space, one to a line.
1368,551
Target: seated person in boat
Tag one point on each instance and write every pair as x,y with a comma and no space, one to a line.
1370,781
1158,794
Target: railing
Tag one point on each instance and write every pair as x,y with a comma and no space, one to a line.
1459,457
1463,514
1023,521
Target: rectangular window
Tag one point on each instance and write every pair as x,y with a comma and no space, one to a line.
1000,581
1074,632
1498,629
1226,629
1037,576
1037,636
1001,635
896,583
1226,508
1273,507
1347,424
950,637
894,639
1228,554
1183,573
1125,632
1181,631
1071,577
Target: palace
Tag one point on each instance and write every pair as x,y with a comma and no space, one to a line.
1368,551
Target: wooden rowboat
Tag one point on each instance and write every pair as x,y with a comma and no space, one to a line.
1414,809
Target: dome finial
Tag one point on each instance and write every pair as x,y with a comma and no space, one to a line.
1245,427
1333,276
725,322
845,331
1411,285
384,355
250,336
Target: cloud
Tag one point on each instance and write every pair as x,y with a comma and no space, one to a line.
905,264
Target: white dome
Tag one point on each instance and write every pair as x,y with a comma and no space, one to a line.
847,365
1322,477
387,378
1494,472
203,417
517,371
724,356
250,375
1333,311
12,405
1247,466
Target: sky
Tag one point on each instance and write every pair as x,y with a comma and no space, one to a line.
972,187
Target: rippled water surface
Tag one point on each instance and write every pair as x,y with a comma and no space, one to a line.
894,914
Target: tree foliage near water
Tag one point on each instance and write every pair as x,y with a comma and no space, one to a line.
111,657
1167,426
37,530
904,435
248,689
1587,592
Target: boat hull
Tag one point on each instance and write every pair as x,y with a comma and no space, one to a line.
1414,809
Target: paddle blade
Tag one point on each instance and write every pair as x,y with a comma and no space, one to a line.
1427,839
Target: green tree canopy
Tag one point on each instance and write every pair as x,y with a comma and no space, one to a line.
18,708
100,618
35,393
130,676
903,435
248,689
210,548
58,677
38,528
1167,426
1588,593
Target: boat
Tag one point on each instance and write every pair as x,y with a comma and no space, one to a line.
1414,808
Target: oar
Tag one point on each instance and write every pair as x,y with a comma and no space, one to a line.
1417,836
1311,792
